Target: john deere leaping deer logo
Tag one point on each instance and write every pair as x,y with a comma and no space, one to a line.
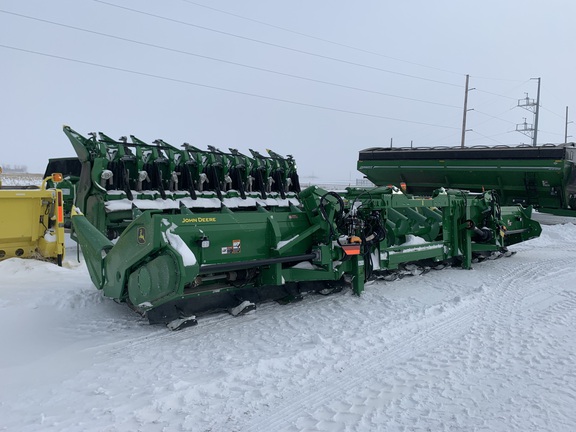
141,235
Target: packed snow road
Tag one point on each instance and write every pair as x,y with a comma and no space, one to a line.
489,349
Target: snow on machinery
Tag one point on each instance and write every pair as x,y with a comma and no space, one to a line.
32,221
196,231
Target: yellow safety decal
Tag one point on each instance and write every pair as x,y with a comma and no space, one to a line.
141,235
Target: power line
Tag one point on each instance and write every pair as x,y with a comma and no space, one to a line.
556,114
223,61
489,101
276,45
495,117
551,133
321,39
484,91
446,137
221,88
488,137
496,79
352,47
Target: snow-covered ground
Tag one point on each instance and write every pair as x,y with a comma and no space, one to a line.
488,349
21,179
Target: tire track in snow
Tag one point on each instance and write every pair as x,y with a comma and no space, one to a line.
210,322
512,293
518,338
500,320
501,316
560,310
537,300
438,330
207,325
507,298
502,304
517,296
431,332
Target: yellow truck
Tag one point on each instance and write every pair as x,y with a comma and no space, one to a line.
32,221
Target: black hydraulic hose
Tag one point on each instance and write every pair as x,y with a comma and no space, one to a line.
185,170
160,185
295,182
126,181
260,183
338,216
374,233
368,264
214,180
239,265
280,183
238,174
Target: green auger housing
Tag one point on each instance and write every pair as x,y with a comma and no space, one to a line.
175,233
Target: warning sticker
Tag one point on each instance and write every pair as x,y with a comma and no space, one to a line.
234,249
141,235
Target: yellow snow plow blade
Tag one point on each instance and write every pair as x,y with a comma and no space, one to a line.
32,222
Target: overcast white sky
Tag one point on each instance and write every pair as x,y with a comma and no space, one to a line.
318,79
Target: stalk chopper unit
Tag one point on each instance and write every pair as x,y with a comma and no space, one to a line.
177,232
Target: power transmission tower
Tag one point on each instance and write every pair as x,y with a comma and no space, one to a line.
528,129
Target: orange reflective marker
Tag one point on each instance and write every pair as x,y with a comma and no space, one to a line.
351,249
60,208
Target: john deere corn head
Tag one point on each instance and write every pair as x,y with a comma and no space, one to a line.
179,232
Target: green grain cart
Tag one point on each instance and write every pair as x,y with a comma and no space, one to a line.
543,177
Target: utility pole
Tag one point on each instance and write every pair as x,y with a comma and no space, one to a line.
536,115
464,130
534,107
566,127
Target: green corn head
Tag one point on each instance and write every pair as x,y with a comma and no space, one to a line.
177,232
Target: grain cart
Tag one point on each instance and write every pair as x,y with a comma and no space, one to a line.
32,221
542,176
179,232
